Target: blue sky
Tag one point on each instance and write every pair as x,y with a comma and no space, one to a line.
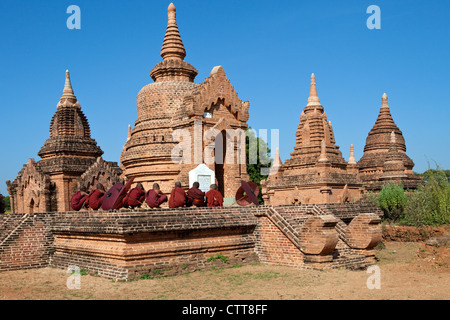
268,50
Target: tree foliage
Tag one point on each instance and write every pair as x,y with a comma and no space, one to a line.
430,203
392,200
256,170
7,201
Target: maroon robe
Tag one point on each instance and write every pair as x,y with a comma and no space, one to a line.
154,200
96,199
177,198
134,198
77,201
195,197
214,198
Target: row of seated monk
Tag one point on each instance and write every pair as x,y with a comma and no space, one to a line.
154,198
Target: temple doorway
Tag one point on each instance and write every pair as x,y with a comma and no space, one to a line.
31,207
220,151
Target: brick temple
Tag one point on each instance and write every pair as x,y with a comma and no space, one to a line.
317,172
174,101
70,158
385,157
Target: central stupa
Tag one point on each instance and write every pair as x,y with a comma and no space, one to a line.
173,101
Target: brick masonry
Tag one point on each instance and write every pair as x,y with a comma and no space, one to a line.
123,245
26,241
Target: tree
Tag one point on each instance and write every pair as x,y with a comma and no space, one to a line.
263,161
392,200
7,201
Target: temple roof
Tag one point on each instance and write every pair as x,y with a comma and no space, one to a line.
314,136
70,135
378,141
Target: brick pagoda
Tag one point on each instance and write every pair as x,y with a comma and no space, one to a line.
385,147
48,185
316,171
174,101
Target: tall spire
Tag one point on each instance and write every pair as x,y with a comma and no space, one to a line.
313,97
276,164
323,152
68,91
351,158
384,101
172,48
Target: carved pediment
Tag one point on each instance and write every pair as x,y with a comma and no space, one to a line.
216,88
103,172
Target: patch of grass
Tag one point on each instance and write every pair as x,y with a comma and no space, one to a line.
266,275
146,276
84,272
220,257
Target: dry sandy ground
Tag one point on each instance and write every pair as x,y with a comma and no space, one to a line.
408,271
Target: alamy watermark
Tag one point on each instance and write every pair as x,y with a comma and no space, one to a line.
374,281
74,280
374,21
227,146
74,20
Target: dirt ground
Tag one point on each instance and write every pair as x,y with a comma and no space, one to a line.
408,271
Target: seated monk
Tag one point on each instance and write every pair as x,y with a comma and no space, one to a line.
213,197
135,197
79,199
195,196
96,197
154,197
177,196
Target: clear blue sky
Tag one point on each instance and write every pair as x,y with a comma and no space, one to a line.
267,48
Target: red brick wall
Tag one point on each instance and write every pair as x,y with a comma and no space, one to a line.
273,247
26,241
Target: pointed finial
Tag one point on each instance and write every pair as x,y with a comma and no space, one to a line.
351,158
384,101
67,84
68,94
276,164
323,152
313,98
172,48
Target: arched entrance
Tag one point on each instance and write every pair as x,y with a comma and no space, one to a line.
220,151
31,206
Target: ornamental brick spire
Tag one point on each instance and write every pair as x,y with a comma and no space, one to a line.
172,48
313,98
68,95
173,67
378,140
70,146
314,136
351,158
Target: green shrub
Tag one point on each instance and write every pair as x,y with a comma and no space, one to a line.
430,203
392,200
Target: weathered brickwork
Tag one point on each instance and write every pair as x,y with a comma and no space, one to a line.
385,157
26,241
123,245
316,171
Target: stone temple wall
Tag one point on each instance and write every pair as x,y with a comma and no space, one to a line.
123,245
